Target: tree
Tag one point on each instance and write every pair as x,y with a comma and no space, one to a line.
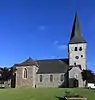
1,71
7,73
88,76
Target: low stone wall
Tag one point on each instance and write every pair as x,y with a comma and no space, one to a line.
76,98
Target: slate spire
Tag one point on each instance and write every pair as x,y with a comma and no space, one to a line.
76,35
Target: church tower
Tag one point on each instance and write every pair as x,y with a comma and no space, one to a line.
77,46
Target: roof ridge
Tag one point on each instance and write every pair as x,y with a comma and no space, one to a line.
52,59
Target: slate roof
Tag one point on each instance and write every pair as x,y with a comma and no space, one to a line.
28,62
47,66
76,35
52,66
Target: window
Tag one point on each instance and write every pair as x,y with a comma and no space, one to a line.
51,78
25,73
75,64
75,48
81,56
62,77
75,76
77,57
80,49
41,78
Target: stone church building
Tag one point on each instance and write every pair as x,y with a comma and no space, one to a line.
55,72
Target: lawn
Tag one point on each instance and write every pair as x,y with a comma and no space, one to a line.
41,93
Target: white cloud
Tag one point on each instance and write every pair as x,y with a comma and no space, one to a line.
60,46
53,57
42,27
56,42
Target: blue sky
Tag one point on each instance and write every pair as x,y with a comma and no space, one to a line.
41,29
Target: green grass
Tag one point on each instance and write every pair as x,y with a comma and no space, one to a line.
41,93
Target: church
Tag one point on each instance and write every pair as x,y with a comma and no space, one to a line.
64,72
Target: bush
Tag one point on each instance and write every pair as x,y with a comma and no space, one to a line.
69,94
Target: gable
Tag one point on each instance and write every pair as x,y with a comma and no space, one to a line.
28,62
75,71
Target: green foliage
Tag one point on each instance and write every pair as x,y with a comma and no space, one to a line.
6,73
88,76
70,94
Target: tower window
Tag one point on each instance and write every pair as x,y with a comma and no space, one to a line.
62,77
75,48
25,73
51,78
77,57
41,78
75,64
81,56
80,49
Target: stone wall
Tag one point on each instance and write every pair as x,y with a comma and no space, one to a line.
20,80
30,81
81,54
75,73
46,80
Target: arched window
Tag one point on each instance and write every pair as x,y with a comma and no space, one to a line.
74,63
51,78
25,73
41,78
62,77
80,49
75,48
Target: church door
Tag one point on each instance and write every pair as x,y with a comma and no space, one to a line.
75,83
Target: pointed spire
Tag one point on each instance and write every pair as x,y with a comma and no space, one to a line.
76,35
